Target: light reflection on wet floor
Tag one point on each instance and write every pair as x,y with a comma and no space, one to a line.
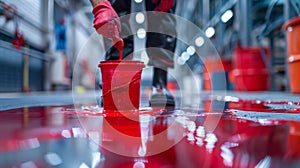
64,137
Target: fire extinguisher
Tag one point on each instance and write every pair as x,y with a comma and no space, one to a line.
7,11
19,40
10,13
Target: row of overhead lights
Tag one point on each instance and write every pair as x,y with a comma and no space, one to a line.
190,51
210,31
140,19
199,41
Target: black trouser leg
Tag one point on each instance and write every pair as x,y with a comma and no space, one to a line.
160,96
160,49
159,77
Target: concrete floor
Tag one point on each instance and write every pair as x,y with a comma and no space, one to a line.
268,96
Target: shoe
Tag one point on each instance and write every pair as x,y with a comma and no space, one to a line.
160,96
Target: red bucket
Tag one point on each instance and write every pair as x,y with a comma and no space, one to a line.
251,79
250,71
249,58
293,40
121,84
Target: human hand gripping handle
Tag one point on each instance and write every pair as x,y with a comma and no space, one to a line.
107,23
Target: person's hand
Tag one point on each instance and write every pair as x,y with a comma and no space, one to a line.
106,21
164,5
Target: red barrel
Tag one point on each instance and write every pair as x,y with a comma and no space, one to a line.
251,79
121,84
292,28
250,71
249,58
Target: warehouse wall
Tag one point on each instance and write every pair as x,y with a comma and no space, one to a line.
30,23
12,69
87,50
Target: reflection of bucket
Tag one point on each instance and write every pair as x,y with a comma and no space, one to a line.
294,139
293,40
128,125
251,79
121,84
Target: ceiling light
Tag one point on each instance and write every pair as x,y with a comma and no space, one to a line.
199,41
226,16
191,50
141,33
138,1
140,18
209,32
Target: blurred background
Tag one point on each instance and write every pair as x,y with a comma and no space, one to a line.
41,40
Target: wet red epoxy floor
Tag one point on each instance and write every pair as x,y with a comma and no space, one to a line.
233,103
63,137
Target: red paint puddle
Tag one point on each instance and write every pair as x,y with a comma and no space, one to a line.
265,106
233,103
153,139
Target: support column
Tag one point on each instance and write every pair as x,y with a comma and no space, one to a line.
47,21
138,43
289,9
245,18
47,8
221,30
206,11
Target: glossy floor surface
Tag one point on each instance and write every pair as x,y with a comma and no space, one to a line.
237,130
